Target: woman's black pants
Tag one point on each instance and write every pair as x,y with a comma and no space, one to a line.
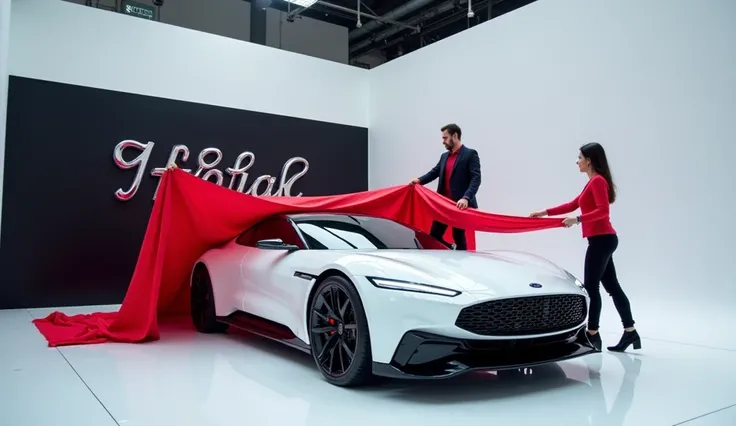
599,269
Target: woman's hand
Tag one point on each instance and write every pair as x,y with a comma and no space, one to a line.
569,221
543,213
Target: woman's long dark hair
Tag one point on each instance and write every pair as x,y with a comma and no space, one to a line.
597,155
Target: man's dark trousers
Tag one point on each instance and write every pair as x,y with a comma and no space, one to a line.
458,235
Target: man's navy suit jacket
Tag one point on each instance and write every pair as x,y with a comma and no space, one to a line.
464,179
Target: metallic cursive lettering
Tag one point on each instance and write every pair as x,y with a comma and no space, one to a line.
175,151
140,162
204,165
285,186
239,170
206,170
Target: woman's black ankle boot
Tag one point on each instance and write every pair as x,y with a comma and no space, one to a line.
595,340
629,338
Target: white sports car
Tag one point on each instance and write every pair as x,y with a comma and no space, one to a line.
368,296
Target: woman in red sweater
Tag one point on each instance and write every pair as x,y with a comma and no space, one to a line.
594,202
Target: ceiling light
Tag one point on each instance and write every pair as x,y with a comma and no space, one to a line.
302,3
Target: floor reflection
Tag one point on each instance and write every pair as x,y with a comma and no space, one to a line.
192,379
572,391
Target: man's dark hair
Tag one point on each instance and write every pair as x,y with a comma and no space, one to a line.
453,129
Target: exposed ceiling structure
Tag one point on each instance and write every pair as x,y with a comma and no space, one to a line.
381,30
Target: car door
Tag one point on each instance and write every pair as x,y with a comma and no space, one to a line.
272,290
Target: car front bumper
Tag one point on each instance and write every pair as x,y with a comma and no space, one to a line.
422,355
395,315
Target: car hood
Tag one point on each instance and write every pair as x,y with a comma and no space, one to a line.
495,273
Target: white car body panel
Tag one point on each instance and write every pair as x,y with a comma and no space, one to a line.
263,283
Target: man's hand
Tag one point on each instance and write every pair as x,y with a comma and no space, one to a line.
539,214
569,221
414,181
462,204
172,166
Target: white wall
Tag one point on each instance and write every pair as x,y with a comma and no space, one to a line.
59,41
231,18
64,42
653,81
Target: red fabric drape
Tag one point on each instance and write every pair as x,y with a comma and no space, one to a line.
191,215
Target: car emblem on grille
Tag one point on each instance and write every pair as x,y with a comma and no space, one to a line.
535,285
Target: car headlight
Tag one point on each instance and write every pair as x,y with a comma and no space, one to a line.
390,284
578,282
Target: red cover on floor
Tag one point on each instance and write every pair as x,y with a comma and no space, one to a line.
191,215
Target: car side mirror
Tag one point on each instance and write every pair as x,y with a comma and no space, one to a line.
275,244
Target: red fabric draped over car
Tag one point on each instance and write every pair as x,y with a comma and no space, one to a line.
191,215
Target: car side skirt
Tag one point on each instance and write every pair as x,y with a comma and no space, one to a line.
265,328
421,355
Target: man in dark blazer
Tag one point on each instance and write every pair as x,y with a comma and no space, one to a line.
458,172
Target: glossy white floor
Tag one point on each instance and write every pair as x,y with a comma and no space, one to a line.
190,379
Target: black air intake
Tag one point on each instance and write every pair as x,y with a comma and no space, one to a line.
523,316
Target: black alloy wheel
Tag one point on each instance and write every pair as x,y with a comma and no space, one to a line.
202,303
338,333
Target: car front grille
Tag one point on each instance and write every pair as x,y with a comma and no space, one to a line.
522,316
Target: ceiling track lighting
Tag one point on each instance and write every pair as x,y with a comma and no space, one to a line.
303,3
357,12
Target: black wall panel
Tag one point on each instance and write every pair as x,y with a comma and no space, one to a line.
68,239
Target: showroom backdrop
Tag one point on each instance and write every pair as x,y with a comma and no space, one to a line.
67,239
653,81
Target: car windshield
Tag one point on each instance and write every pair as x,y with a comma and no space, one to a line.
343,232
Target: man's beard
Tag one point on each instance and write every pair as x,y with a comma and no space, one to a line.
450,145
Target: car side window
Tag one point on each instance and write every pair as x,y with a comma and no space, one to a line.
245,238
276,228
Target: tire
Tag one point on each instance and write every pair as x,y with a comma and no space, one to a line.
337,333
202,302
